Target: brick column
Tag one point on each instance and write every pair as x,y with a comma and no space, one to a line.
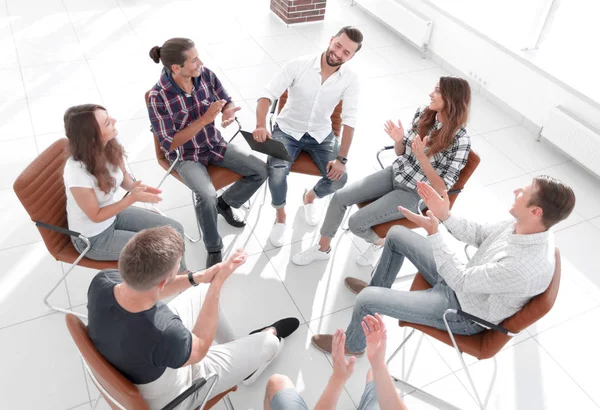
299,11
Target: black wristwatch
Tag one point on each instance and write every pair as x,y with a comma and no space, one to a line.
342,159
191,278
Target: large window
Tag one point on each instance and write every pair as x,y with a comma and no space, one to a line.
559,36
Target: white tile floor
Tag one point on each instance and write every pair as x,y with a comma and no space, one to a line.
57,53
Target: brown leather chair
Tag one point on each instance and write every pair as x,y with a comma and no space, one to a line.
112,384
487,344
220,177
41,190
472,162
304,163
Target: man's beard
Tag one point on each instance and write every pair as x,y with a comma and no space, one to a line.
330,62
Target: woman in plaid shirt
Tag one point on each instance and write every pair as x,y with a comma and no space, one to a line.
434,150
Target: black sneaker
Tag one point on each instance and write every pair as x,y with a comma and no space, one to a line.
213,258
284,327
227,213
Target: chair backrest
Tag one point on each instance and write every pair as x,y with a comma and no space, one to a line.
41,190
336,116
160,155
473,161
109,378
533,311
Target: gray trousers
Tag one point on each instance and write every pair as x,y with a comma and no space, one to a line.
379,187
195,176
107,246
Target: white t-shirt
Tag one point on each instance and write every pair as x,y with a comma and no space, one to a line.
77,175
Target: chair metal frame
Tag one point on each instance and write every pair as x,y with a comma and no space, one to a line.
428,397
196,385
75,263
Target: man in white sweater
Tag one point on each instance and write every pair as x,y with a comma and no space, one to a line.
513,263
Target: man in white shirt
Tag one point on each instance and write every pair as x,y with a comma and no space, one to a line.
315,85
514,262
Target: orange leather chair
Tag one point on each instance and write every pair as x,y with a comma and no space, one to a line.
304,163
472,162
488,343
220,177
41,190
119,392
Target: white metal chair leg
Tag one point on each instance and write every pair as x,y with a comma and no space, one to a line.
88,246
227,402
345,226
482,404
400,347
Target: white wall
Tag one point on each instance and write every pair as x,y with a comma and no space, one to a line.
512,81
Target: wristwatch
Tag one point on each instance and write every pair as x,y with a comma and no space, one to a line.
191,278
342,159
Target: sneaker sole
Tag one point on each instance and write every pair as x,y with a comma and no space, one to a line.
329,353
308,263
349,288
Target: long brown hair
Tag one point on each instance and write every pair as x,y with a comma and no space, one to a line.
456,94
85,144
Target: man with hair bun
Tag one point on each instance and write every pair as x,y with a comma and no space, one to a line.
183,106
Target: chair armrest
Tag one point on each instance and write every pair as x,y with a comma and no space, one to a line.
272,113
387,147
485,323
239,124
196,385
59,229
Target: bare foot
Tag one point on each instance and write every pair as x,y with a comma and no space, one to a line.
309,197
280,215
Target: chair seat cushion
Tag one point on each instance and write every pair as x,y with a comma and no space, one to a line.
305,165
220,177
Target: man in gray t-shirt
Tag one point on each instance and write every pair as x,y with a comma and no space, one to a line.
162,347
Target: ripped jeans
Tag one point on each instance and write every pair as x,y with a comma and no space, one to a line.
321,154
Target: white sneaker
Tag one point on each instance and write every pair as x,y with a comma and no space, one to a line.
311,214
310,255
277,235
370,256
262,368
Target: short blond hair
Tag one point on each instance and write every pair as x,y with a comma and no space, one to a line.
149,257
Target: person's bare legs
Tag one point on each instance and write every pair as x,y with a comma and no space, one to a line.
280,215
309,197
276,383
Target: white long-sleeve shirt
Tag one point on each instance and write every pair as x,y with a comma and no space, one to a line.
504,274
310,104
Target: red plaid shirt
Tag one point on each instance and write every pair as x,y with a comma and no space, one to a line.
171,110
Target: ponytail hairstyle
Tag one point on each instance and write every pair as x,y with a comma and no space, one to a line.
456,94
171,52
86,145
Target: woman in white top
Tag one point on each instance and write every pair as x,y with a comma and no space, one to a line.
92,174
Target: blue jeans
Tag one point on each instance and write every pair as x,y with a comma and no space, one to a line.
195,176
425,307
386,195
107,245
321,154
290,399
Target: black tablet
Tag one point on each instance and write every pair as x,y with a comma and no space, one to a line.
270,147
